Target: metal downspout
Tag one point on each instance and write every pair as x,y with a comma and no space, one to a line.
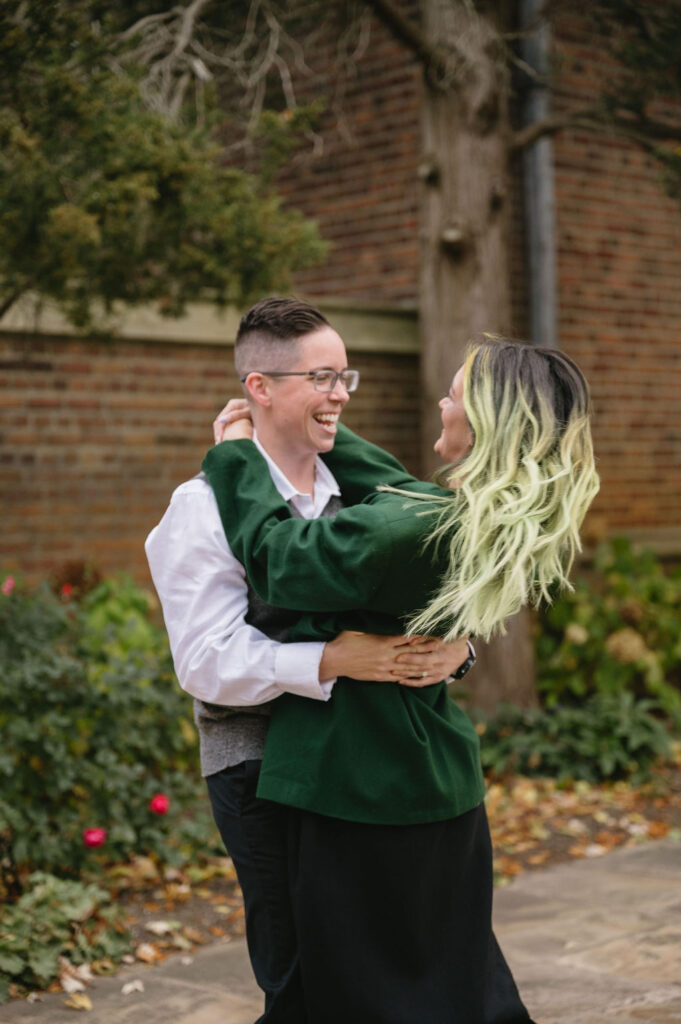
538,182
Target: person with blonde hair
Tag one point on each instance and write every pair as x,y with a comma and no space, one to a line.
392,878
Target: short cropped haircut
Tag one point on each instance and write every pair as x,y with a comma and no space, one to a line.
269,331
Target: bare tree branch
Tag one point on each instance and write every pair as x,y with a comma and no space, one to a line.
437,62
172,46
14,296
644,132
540,129
187,25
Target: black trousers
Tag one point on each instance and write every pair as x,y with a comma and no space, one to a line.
255,833
369,924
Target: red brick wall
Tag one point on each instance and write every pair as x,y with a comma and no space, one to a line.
94,442
363,189
94,436
618,258
619,266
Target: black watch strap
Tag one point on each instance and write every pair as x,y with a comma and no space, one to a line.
467,664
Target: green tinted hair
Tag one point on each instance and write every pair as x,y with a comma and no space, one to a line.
521,493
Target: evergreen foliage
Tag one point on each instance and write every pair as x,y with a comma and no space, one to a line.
608,675
99,750
103,200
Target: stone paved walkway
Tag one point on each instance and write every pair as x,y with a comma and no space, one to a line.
590,942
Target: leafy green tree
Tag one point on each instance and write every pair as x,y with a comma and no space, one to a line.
105,200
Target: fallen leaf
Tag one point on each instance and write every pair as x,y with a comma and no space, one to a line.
539,858
575,826
132,986
138,871
78,1001
507,867
594,850
71,984
636,828
147,953
107,966
162,927
178,890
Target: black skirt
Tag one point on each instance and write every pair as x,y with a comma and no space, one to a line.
394,923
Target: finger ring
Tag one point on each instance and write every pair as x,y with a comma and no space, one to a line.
424,674
223,419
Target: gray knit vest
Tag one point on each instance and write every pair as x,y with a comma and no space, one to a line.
229,735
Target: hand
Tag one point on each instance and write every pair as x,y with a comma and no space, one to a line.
416,661
439,659
233,422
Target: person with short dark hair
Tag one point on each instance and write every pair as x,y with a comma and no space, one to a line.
227,644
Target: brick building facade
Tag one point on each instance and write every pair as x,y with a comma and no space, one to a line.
96,434
619,266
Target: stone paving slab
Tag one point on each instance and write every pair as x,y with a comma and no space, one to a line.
590,942
598,940
216,987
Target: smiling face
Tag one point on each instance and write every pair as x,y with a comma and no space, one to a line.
456,438
298,418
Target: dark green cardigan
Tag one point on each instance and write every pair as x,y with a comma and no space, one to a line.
375,752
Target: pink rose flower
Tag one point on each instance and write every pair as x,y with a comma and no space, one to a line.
8,585
94,836
159,803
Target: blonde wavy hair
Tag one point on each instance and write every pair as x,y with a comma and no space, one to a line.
520,494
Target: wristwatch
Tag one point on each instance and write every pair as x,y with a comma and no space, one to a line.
464,666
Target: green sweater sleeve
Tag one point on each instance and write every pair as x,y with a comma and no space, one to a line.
359,467
369,556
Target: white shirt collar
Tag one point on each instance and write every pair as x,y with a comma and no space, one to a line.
325,485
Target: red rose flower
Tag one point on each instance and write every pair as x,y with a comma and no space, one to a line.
66,590
159,803
94,836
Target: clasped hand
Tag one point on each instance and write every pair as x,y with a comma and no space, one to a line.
411,661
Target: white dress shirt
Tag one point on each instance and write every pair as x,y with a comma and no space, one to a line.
218,657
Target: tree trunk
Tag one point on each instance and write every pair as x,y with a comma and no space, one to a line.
465,263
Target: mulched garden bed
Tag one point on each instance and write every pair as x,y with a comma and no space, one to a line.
535,823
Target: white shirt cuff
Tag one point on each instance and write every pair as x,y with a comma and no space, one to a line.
296,670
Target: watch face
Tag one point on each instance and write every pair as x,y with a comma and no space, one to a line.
462,669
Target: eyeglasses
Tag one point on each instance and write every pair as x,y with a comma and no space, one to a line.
322,380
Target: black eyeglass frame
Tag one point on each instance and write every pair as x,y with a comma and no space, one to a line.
313,373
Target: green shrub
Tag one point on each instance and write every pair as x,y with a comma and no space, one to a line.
56,918
610,736
94,725
619,631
